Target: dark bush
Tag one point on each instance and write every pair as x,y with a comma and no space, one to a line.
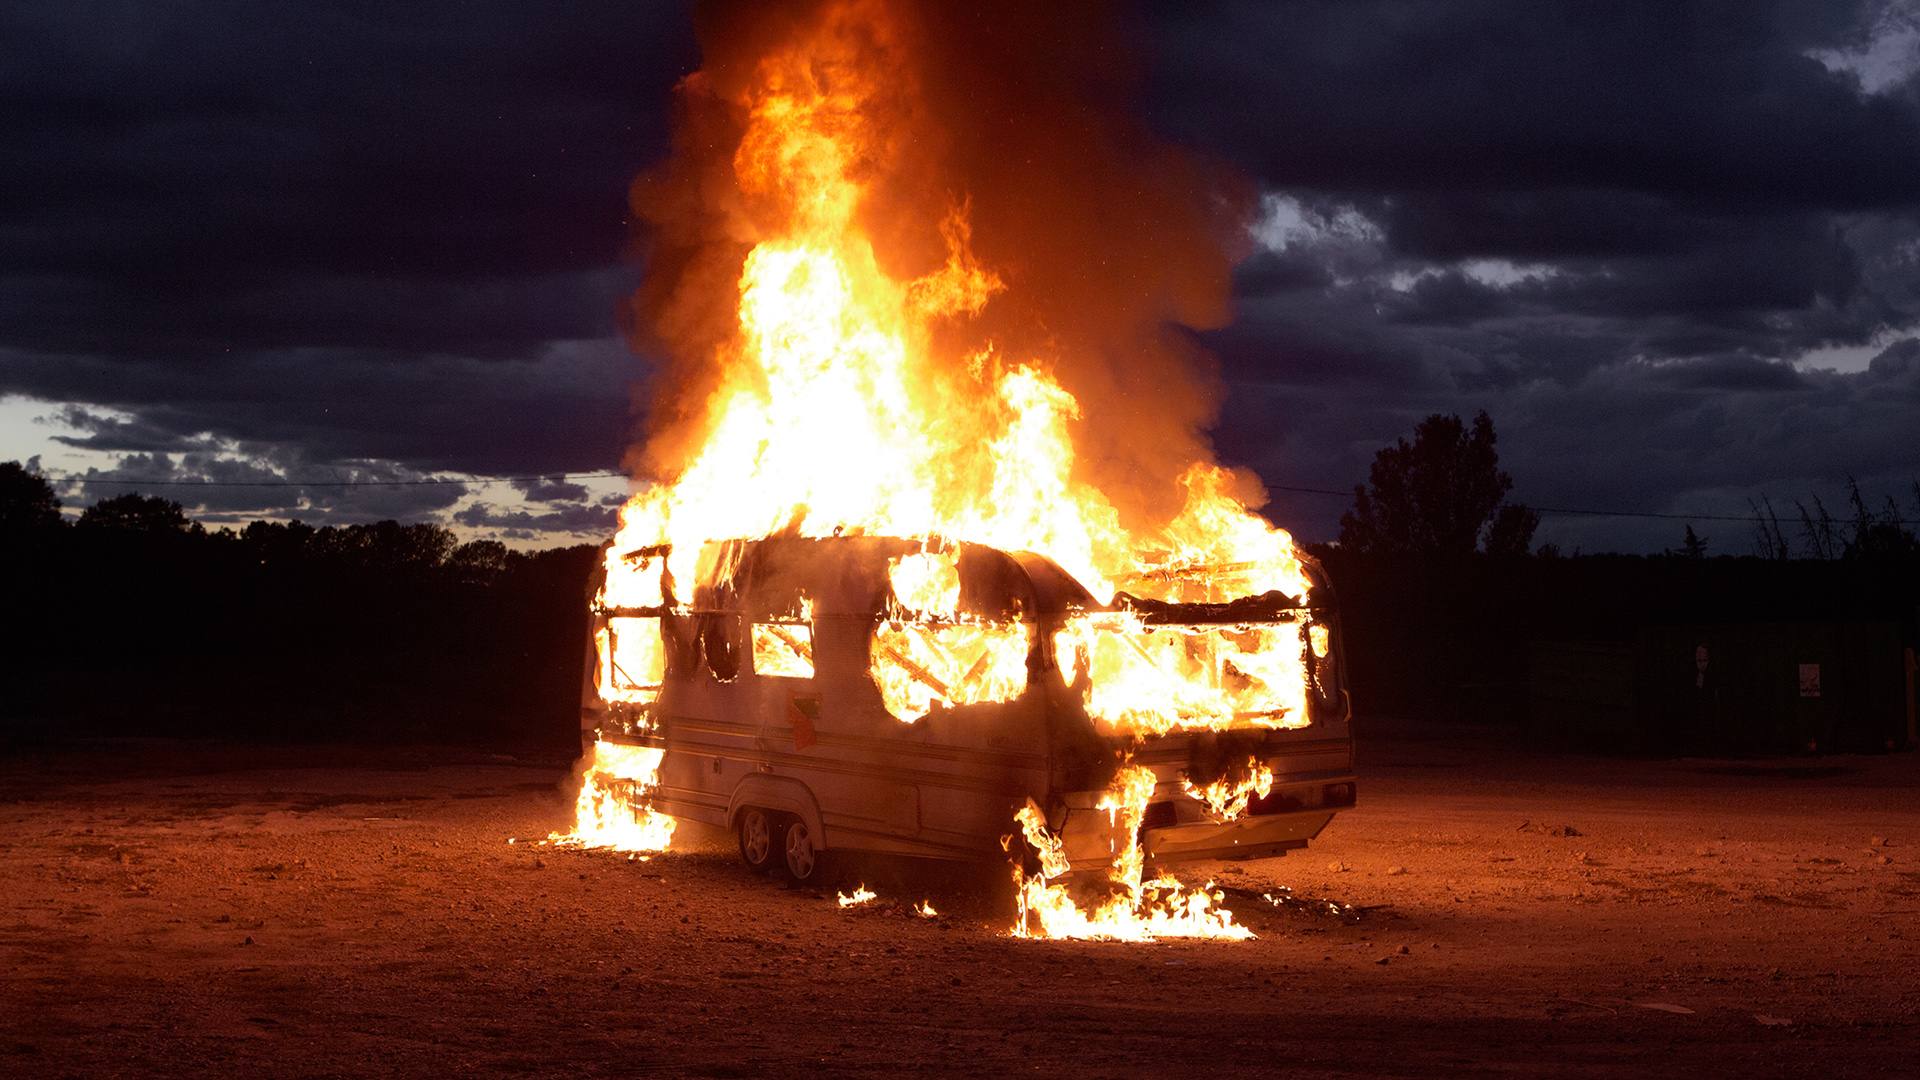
133,624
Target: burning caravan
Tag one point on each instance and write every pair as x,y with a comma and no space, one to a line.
815,694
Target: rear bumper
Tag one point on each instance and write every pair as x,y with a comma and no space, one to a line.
1242,838
1178,827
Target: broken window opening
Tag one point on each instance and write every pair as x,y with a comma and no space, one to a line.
720,642
783,649
633,659
918,666
1141,678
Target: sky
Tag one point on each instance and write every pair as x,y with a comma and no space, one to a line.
360,261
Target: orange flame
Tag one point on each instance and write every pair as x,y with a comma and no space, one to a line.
835,403
611,809
836,412
860,895
1134,910
1227,798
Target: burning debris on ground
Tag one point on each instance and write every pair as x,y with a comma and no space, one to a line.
1284,899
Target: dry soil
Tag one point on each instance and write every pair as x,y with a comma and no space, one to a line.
204,910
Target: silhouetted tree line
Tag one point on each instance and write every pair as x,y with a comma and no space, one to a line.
1443,494
1448,636
1865,534
1440,599
136,620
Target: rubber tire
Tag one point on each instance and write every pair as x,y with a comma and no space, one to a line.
759,833
800,855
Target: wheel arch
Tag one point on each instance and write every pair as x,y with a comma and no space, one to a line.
782,793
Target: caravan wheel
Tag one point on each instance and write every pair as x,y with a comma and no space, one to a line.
756,829
802,856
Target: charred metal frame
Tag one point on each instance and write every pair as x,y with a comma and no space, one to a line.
947,784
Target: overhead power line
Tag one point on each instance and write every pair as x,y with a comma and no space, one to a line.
485,481
475,482
1599,513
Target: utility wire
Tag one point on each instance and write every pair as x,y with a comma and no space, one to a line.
478,482
1608,513
483,482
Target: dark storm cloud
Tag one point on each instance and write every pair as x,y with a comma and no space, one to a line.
580,520
227,484
113,433
1708,101
348,231
562,409
1697,438
280,241
1618,227
1896,361
553,489
1739,373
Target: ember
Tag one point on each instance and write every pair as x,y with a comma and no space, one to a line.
881,583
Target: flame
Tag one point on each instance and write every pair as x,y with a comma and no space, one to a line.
1150,680
1134,910
836,412
783,650
831,406
861,894
1227,798
934,654
927,583
610,810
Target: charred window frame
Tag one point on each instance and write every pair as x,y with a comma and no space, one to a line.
1327,698
783,648
1320,643
631,641
921,660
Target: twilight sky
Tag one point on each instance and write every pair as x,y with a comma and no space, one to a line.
1673,249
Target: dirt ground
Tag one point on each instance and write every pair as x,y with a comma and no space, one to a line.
198,910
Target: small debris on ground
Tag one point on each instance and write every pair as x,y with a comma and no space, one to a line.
1549,830
1284,899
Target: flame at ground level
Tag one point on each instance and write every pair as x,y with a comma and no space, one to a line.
610,810
1135,910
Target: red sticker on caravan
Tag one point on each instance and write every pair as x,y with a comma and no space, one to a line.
801,713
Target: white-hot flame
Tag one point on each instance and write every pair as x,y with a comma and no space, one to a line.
1227,797
611,808
1134,910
